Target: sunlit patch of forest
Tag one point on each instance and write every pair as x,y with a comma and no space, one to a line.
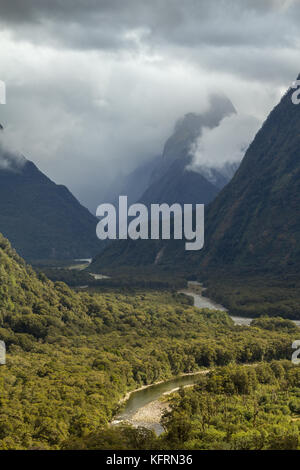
72,356
233,407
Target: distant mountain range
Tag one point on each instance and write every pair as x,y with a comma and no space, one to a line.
133,185
255,220
169,178
40,218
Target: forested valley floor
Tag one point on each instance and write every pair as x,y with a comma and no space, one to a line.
71,357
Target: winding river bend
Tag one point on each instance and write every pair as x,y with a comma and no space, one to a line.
195,290
144,406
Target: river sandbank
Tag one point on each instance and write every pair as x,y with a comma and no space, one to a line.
143,387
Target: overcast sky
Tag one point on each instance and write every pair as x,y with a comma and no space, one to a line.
95,86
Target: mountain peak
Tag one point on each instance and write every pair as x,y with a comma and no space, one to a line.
40,218
189,128
254,222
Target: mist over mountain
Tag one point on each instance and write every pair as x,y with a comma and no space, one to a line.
133,184
225,143
218,151
150,229
173,177
254,222
40,218
9,158
187,130
218,176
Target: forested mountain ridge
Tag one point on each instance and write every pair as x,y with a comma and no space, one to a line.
43,219
255,220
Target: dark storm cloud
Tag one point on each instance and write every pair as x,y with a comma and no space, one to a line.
94,86
189,23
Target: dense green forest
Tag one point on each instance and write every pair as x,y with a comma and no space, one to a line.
127,278
72,356
256,295
238,408
231,408
243,295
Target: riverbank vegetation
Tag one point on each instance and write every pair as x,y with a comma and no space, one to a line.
126,278
256,295
238,408
231,408
242,293
72,356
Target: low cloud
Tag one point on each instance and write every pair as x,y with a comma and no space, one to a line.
94,87
10,159
225,143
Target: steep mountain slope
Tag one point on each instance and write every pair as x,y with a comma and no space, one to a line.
42,219
24,294
72,356
172,180
180,185
255,221
167,178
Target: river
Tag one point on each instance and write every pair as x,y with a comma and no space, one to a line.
144,407
195,290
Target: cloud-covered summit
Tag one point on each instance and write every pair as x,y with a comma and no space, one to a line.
225,143
10,159
94,87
